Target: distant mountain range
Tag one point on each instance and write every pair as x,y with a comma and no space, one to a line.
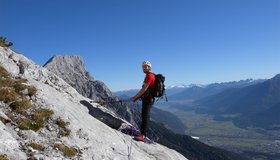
197,91
255,105
126,94
194,91
248,103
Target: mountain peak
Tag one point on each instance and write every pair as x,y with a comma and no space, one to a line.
277,77
68,63
74,57
71,69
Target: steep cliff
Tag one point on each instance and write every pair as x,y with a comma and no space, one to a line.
72,70
68,128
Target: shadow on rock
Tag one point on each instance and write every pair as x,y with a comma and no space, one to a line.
104,117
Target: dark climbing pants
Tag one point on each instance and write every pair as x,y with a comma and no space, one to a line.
146,108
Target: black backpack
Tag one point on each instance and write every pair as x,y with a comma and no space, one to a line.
159,89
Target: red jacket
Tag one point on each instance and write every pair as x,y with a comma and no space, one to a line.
150,79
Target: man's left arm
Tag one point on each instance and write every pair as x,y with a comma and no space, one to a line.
141,92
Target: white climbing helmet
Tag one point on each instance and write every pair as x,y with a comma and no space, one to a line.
147,63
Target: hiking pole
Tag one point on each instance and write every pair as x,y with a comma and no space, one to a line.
132,133
130,148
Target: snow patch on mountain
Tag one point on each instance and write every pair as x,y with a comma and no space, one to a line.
183,86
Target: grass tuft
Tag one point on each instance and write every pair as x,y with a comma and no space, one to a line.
5,82
28,124
20,106
32,91
19,87
7,95
67,151
3,157
4,43
63,130
3,72
36,121
37,146
42,114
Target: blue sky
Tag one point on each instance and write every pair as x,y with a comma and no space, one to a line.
189,41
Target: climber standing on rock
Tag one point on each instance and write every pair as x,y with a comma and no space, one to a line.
145,93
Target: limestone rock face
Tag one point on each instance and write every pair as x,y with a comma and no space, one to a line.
71,69
91,138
